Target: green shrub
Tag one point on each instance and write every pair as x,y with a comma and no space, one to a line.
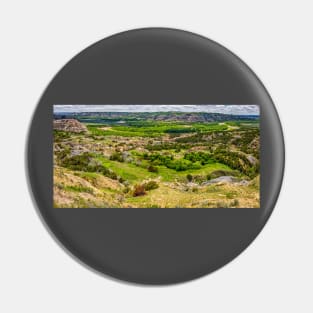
78,189
230,194
117,156
85,162
62,154
234,203
126,189
168,160
153,169
154,206
59,135
199,178
151,185
189,177
201,157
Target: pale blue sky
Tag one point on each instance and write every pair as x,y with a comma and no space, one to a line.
210,108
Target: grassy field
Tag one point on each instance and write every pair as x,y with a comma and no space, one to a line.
149,164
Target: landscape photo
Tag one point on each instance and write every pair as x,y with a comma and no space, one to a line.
156,156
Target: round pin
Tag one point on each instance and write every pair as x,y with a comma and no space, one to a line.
155,156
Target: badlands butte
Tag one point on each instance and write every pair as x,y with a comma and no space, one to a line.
156,160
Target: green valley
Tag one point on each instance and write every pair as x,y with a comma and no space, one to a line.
156,160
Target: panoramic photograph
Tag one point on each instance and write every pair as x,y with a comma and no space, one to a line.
156,156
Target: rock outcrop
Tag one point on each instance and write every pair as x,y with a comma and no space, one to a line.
69,125
222,180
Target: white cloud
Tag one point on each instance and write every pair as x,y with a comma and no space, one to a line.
210,108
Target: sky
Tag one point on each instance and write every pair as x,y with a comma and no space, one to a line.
210,108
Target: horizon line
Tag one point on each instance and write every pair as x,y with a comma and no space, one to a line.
150,112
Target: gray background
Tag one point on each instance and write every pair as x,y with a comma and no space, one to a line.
155,246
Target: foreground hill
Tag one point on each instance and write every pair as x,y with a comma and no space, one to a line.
77,189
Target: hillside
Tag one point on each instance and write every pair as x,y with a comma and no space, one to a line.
96,117
69,125
148,163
